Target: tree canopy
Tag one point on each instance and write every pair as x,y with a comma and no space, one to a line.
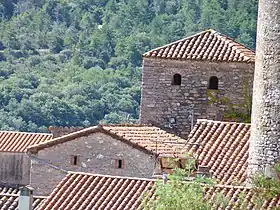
78,62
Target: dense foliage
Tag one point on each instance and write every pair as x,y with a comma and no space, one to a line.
78,62
184,190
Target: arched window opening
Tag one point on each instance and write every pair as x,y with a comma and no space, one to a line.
213,83
177,79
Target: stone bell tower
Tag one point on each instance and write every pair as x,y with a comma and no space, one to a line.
264,149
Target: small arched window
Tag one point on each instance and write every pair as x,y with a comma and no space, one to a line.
177,79
213,83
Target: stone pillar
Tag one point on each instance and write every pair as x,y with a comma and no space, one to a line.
264,149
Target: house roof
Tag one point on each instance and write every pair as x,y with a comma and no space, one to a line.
208,45
89,191
223,147
145,137
78,191
8,190
232,198
11,201
13,141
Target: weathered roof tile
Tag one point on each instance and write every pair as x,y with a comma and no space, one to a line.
222,146
88,191
11,201
146,137
13,141
82,191
208,45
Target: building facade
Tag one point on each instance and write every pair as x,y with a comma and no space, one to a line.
112,150
14,162
197,77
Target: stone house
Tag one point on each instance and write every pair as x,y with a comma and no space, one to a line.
196,77
14,163
119,150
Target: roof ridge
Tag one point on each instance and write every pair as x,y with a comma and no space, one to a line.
219,121
17,195
111,176
77,134
128,125
24,132
60,138
180,40
120,134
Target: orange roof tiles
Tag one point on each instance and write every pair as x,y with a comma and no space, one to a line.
79,191
8,190
208,45
11,201
232,196
148,138
223,147
12,141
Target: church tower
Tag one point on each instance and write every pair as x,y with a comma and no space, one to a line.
264,149
194,78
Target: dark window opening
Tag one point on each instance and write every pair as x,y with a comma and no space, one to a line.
119,163
180,164
74,160
213,83
177,79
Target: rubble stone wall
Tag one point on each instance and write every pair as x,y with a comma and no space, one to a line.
97,153
163,102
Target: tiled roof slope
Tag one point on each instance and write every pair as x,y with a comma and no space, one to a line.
233,195
8,190
208,45
223,147
148,138
11,201
79,191
12,141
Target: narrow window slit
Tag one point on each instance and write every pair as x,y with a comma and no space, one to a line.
120,164
213,83
177,79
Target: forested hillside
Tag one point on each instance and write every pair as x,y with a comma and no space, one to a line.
78,62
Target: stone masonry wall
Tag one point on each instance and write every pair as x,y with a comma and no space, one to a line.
97,153
264,151
161,101
14,168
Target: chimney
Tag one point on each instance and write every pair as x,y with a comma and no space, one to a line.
264,151
26,198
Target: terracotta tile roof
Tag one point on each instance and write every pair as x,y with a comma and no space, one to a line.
208,45
233,195
8,190
145,137
81,191
223,147
149,137
10,201
12,141
87,191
